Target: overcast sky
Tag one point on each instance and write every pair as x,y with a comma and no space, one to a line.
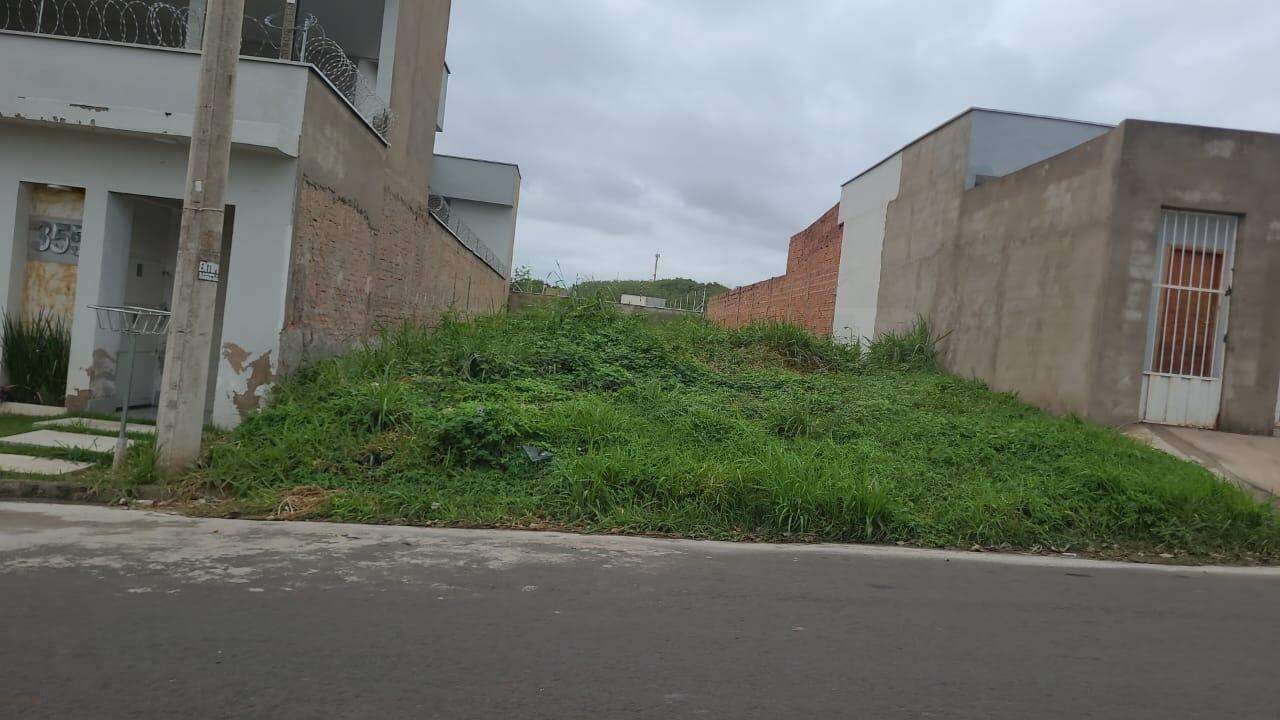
713,130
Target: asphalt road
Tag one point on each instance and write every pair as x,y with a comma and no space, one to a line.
124,614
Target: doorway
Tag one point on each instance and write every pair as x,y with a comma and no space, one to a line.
1191,295
154,230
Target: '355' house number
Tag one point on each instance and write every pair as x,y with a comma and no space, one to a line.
53,240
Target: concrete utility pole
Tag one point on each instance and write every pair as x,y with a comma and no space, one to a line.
195,24
199,267
288,23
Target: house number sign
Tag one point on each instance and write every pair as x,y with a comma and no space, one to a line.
54,240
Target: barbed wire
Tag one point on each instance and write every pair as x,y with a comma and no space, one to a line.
161,24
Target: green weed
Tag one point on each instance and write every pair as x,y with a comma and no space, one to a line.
683,427
37,355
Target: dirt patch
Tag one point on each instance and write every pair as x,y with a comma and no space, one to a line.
301,502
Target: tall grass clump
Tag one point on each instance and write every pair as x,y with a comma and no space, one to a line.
580,417
915,349
37,353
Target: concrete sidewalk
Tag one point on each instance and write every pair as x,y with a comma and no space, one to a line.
1250,461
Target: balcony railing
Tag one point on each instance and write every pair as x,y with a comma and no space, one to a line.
160,24
439,206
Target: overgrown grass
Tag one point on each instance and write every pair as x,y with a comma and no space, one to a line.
681,427
37,354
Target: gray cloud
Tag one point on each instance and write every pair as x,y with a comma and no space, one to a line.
712,130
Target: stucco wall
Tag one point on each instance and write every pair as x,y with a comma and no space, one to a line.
922,229
1010,270
1027,277
1043,277
262,191
1207,170
804,296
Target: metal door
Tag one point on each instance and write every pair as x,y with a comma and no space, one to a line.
1186,345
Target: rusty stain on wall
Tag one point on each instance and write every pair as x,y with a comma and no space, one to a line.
52,286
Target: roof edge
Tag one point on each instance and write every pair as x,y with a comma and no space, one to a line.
969,111
480,160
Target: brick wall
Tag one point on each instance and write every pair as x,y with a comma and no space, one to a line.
351,275
804,296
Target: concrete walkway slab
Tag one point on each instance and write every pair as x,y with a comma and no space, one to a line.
28,465
59,439
1251,461
29,410
74,424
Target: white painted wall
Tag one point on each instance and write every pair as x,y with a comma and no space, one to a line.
262,189
864,206
145,90
495,224
479,180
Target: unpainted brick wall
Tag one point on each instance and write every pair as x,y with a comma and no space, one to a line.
352,276
804,296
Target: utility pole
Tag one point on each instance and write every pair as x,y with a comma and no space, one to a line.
287,26
195,24
656,258
180,423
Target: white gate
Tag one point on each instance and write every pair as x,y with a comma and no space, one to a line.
1186,345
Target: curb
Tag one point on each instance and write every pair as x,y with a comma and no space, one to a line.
77,492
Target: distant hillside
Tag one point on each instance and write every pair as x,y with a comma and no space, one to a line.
673,290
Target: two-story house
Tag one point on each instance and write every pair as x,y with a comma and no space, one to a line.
333,228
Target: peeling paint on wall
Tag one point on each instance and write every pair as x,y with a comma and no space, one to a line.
261,376
78,402
235,356
102,375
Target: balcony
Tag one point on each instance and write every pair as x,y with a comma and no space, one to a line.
346,57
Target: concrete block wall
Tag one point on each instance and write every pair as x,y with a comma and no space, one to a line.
804,296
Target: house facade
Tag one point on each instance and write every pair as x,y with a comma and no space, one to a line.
1123,273
332,231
